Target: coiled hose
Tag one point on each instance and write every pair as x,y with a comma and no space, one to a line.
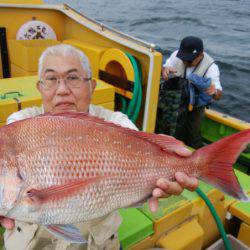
132,109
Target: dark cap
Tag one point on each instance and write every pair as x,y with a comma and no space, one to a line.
190,48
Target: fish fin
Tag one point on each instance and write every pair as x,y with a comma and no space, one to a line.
219,159
60,191
67,232
165,142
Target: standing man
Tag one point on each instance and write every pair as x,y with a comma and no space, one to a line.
192,63
65,85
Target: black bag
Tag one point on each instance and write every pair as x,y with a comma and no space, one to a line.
172,105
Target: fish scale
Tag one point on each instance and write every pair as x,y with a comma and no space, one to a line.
70,174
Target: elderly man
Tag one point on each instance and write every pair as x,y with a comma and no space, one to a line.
65,85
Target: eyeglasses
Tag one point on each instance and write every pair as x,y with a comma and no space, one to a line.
72,81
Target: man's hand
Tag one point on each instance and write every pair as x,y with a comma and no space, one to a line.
216,93
211,90
166,71
166,188
7,223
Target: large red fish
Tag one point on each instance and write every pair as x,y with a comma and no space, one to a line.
72,167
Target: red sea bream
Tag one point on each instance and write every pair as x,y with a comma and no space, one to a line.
72,167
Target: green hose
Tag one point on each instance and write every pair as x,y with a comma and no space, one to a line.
124,104
218,222
132,110
139,97
135,103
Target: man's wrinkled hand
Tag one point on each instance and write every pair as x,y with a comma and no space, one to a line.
7,223
165,188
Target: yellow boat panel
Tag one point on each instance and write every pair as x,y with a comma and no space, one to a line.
153,94
241,210
124,93
244,234
116,62
173,219
103,93
19,72
187,236
108,105
14,89
25,53
227,120
125,70
206,220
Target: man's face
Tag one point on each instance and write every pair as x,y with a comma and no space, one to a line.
63,97
193,63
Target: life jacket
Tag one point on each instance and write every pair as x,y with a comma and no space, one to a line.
200,70
194,88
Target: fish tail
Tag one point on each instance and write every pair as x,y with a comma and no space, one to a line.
219,159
